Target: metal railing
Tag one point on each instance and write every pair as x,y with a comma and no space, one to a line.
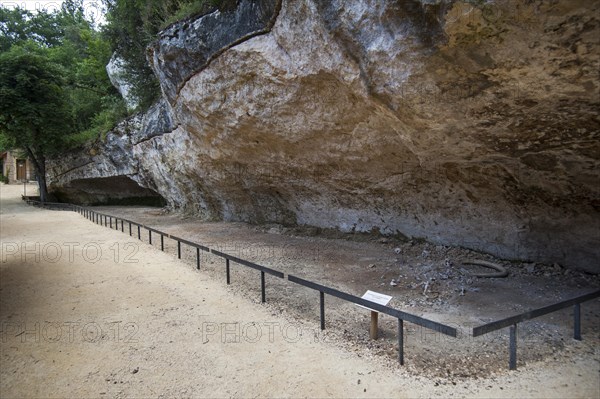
398,314
512,322
263,270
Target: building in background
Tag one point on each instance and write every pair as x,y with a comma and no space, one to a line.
16,167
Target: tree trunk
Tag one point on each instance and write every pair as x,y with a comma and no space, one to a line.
39,162
41,178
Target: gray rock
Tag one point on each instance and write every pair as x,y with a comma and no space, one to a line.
185,48
116,73
412,118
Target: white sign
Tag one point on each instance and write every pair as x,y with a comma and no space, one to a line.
376,297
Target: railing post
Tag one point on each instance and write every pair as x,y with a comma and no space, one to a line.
262,287
227,271
139,232
322,306
150,237
401,341
374,326
129,229
178,249
197,258
512,362
122,226
577,322
162,242
111,222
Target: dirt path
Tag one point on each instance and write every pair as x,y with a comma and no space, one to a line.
428,280
90,312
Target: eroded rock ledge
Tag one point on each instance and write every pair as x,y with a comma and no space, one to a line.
465,124
184,49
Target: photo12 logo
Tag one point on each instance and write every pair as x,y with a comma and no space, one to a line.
93,10
69,252
67,332
254,332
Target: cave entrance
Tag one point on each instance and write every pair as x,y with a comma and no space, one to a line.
115,190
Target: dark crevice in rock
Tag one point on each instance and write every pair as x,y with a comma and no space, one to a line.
426,20
74,168
115,190
148,138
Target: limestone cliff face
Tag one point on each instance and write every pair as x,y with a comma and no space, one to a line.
108,172
466,123
118,78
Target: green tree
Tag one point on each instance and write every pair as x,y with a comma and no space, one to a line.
34,107
83,52
54,89
19,26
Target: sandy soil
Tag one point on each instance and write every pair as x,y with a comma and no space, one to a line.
90,312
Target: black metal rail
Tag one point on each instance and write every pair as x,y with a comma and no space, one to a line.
513,321
263,270
50,205
398,314
432,325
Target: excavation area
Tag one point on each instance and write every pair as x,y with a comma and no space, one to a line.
87,311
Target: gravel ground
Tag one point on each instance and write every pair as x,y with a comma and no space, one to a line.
156,327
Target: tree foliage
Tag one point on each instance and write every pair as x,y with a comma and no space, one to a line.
83,52
19,26
54,89
34,105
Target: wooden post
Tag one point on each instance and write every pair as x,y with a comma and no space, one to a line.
374,317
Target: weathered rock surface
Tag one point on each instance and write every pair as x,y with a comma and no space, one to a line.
116,74
184,49
107,172
471,125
